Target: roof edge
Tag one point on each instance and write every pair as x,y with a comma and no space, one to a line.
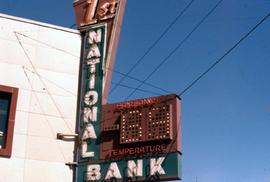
37,23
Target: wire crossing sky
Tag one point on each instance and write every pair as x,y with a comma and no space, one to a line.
155,43
225,115
175,49
223,56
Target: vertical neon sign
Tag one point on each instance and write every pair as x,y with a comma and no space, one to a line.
99,22
94,51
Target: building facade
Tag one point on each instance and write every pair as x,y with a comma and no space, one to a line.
39,65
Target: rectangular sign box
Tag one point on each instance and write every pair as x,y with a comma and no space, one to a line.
159,168
140,127
139,140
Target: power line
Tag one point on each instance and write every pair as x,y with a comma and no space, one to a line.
112,70
136,79
55,84
43,112
35,70
224,55
154,44
175,49
142,90
48,45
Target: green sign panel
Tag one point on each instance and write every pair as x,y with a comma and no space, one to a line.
156,168
92,64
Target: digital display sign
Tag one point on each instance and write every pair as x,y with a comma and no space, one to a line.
140,127
153,124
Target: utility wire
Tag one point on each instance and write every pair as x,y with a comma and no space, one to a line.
175,49
212,66
43,83
138,80
55,84
224,55
48,45
112,70
153,45
34,71
142,90
114,83
43,113
178,128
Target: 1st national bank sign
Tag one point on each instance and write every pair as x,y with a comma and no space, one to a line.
131,141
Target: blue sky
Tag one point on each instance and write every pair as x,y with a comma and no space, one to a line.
226,115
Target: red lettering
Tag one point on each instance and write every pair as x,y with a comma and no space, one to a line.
158,148
121,152
136,103
164,147
137,150
114,153
142,150
131,151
